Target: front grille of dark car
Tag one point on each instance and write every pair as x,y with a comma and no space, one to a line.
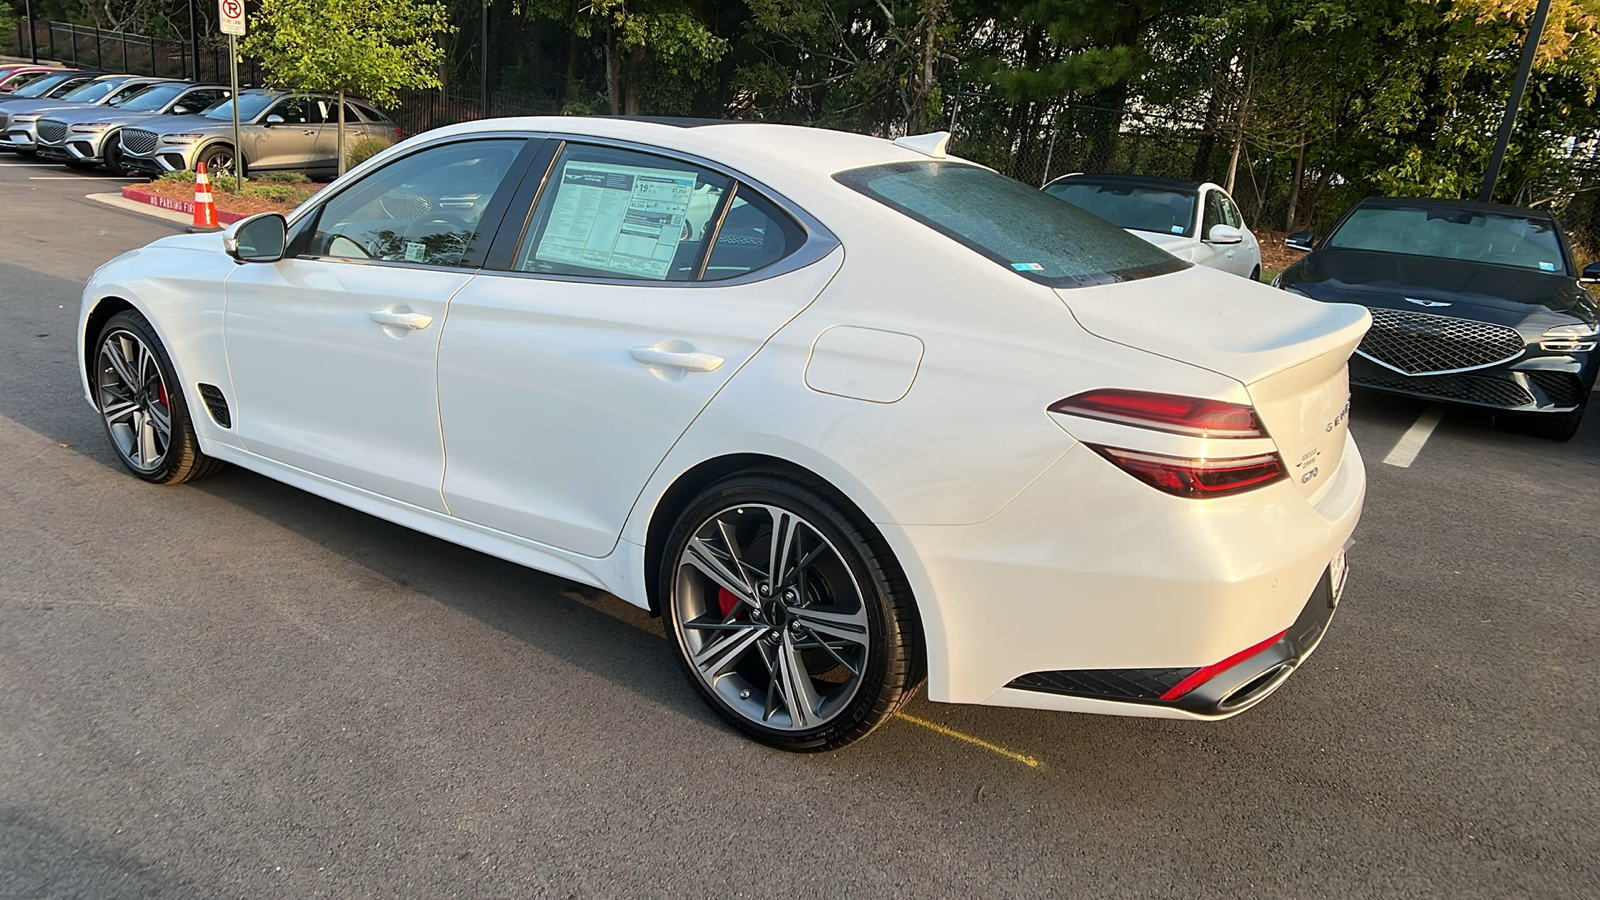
1484,390
1105,684
1563,388
51,131
137,140
1426,344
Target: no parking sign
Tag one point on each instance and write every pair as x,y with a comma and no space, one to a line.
230,16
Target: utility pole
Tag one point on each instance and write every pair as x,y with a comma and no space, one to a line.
194,42
1509,122
33,47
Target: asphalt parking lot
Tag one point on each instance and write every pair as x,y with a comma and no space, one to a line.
237,689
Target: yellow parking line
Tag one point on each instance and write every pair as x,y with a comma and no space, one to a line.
1028,761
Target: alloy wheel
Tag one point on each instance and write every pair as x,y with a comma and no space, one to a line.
133,400
772,618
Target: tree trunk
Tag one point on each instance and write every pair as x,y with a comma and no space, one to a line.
1294,188
1238,143
342,155
613,74
630,95
1201,170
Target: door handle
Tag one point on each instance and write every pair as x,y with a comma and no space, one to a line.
411,320
689,361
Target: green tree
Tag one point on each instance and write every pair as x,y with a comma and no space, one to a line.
371,48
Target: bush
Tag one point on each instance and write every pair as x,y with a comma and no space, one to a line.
363,150
274,193
281,178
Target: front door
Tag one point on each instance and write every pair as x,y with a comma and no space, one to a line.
289,144
564,382
333,351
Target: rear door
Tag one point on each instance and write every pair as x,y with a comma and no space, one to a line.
565,377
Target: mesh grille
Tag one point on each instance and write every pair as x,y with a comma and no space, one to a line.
217,404
137,140
1424,344
1484,390
1563,388
51,131
1109,684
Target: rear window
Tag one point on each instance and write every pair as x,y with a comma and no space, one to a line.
1021,228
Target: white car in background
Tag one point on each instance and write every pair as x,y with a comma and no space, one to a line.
1195,221
849,414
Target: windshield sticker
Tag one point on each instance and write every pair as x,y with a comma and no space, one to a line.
1027,267
1548,267
1177,229
625,220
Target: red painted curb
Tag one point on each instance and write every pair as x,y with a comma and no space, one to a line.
138,194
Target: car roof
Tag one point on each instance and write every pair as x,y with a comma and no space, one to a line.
1462,205
1171,184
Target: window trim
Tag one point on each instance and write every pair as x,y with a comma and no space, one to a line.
304,224
818,243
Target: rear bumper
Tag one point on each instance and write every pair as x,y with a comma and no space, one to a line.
1091,571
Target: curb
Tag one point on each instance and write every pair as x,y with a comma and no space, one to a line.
137,194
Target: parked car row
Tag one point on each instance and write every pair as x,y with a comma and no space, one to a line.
153,126
1476,304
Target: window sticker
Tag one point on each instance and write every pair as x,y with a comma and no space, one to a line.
416,251
624,220
1027,267
1177,229
1547,266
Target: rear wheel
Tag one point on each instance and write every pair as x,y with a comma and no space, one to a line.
142,405
789,613
1255,274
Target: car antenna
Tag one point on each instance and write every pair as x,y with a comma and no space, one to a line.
927,144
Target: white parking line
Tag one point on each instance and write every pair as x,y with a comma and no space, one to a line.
1410,444
28,165
81,177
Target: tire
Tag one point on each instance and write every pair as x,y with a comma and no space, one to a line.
1255,274
80,165
134,388
1552,426
112,155
841,637
218,159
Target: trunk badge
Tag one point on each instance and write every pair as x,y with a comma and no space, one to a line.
1424,302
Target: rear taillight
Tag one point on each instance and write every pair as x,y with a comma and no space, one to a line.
1196,478
1165,412
399,135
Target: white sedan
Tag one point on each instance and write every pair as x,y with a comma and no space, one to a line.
849,413
1195,221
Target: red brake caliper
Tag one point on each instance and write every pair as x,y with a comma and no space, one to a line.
726,600
163,386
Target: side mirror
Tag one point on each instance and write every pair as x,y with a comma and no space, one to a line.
1591,273
181,110
1300,240
260,238
274,120
1225,234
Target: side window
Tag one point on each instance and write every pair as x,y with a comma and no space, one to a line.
125,94
198,100
612,213
754,234
423,208
294,110
1230,213
1213,214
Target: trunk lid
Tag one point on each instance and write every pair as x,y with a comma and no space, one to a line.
1291,353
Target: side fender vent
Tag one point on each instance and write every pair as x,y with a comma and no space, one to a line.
217,404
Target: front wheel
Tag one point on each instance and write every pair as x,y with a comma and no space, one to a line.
142,405
789,614
218,159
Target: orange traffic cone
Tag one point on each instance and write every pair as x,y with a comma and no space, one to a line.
205,211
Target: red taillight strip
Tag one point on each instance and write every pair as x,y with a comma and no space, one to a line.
1196,478
1192,416
1206,673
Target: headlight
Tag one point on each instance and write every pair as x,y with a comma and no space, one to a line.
181,138
91,128
1569,338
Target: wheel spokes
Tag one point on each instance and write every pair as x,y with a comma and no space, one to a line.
702,556
133,400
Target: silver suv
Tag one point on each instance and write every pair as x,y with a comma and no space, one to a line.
279,132
85,138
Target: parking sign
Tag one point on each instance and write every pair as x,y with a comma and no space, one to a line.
230,16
